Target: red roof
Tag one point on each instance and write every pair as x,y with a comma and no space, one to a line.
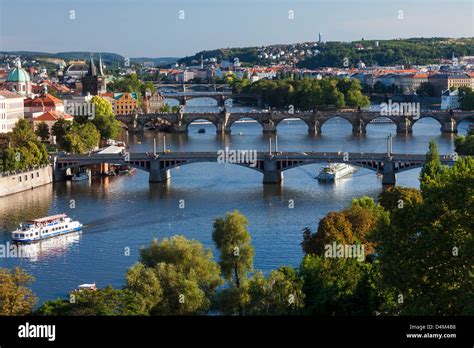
8,94
53,115
43,100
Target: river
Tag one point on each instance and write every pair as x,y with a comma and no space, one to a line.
123,213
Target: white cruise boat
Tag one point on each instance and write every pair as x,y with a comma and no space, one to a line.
43,228
335,171
80,176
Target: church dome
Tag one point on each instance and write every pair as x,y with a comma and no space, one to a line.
18,75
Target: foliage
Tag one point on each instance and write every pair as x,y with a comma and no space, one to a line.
306,93
15,296
396,197
464,145
466,98
349,227
42,131
23,149
426,89
81,138
107,301
425,249
175,276
432,167
104,118
335,286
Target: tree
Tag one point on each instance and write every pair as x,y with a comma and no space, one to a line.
348,227
426,89
466,98
279,294
425,249
175,277
104,118
464,145
396,197
15,296
335,286
42,131
107,301
60,129
234,244
82,138
432,167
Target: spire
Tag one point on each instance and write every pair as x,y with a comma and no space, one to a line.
92,68
101,66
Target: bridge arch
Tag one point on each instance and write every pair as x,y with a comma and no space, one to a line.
142,165
233,119
427,117
257,168
322,122
195,122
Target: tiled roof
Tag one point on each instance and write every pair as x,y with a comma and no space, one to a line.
53,115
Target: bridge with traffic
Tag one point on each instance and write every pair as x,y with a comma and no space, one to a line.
270,164
270,119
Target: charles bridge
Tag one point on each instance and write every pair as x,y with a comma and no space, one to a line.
269,120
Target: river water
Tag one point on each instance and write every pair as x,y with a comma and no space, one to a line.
123,213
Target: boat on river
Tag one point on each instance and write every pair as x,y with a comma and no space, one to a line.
46,227
334,171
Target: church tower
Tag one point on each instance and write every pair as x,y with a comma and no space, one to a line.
94,82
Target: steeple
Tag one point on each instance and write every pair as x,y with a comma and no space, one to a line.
92,68
101,66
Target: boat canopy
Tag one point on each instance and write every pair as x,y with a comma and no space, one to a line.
49,218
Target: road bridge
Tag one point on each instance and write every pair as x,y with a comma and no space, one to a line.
271,165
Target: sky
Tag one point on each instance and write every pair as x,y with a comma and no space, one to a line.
176,28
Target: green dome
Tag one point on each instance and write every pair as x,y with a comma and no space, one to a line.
18,75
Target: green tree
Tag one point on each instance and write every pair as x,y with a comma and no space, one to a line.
184,280
101,302
42,131
15,296
335,286
104,118
60,129
236,251
424,249
396,197
466,98
464,145
426,89
432,167
279,294
82,138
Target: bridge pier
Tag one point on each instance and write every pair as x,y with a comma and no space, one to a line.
404,126
268,126
314,127
271,175
358,127
388,173
449,126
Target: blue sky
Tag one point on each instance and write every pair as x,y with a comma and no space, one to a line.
152,28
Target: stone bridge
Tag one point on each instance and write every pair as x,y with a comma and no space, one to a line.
269,121
219,97
194,86
271,165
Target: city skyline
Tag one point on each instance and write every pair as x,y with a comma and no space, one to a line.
161,28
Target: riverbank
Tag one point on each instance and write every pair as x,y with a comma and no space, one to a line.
23,180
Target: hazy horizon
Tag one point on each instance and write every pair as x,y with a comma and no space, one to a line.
159,28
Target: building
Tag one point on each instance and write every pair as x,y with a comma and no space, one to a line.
450,100
94,82
444,81
11,110
41,104
153,103
125,103
410,83
50,118
18,80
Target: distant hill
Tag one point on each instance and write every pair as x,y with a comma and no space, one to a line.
157,61
111,59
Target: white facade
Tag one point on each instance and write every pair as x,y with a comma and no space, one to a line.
11,110
450,100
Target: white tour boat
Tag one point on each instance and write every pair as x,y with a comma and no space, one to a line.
80,176
335,171
50,226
